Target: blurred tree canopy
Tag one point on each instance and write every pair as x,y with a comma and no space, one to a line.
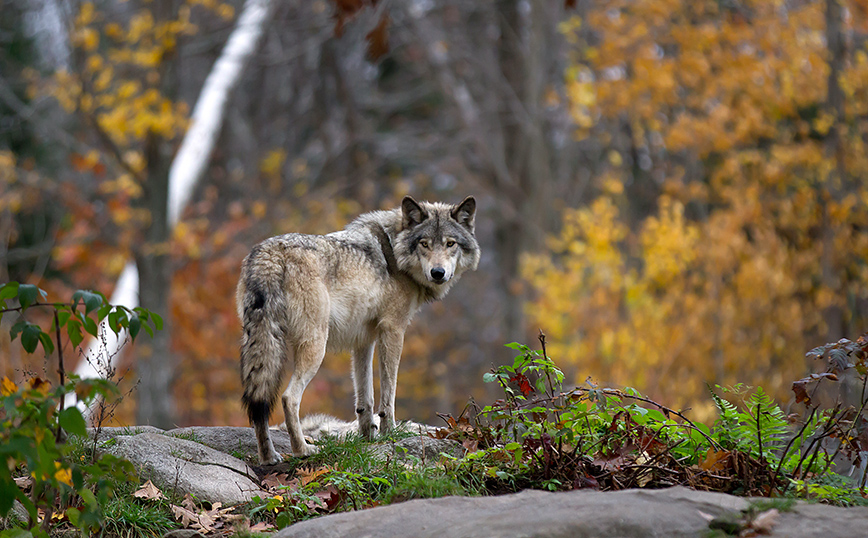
728,236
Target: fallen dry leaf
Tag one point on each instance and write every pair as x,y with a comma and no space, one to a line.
186,517
149,492
204,522
330,496
188,503
714,460
764,522
275,480
309,475
705,516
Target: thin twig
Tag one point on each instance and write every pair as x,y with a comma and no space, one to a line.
793,439
60,370
759,430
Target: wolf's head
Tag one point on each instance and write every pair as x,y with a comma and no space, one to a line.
436,243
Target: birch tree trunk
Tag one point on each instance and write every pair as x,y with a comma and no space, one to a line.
146,280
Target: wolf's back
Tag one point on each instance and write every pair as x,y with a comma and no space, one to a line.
262,306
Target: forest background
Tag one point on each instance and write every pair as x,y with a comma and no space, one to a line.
671,189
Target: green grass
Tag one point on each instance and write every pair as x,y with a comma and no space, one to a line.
831,488
780,504
127,517
189,436
365,478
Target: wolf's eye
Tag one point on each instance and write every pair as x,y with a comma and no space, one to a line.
450,244
424,243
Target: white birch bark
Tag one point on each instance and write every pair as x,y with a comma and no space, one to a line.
188,166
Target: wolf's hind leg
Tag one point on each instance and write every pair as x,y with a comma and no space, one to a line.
308,358
363,381
267,454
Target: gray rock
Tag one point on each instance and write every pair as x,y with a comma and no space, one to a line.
675,512
823,521
576,514
422,448
107,433
188,467
232,440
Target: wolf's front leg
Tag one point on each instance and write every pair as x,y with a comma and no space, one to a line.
363,381
389,348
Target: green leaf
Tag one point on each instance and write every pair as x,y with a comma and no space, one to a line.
74,514
17,328
9,290
91,300
489,377
27,294
103,310
123,318
73,329
113,322
47,344
282,520
30,337
63,316
70,419
135,326
158,321
91,327
8,489
16,532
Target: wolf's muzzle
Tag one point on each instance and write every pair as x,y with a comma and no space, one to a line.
438,274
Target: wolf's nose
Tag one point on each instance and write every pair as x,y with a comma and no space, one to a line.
438,273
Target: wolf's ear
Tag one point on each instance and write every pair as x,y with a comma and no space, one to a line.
465,212
412,212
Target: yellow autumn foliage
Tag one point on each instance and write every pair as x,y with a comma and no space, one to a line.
754,232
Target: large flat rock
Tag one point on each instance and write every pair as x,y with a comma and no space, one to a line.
232,440
176,464
671,513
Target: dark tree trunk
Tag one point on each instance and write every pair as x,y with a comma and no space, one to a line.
156,365
837,179
524,56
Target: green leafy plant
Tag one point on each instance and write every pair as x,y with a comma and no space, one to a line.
33,419
35,459
85,312
760,429
540,435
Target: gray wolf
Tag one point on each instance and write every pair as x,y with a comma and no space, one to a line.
302,295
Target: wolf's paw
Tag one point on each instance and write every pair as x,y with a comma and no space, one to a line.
272,459
368,431
305,450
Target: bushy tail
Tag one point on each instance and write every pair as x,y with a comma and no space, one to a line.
263,309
